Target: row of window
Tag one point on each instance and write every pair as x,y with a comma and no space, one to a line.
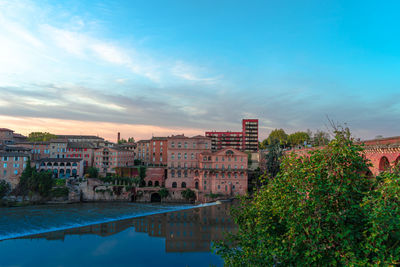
5,158
15,165
222,167
186,145
5,173
37,151
185,156
222,158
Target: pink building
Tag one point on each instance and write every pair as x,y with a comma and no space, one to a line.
12,165
38,150
223,172
183,159
81,150
106,159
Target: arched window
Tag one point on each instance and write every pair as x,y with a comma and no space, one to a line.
62,164
150,183
74,164
174,185
55,164
172,173
196,185
183,185
49,164
384,164
156,183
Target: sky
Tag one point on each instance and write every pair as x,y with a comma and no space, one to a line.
158,68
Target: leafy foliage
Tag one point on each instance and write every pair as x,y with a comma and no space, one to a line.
188,194
320,138
278,134
40,136
59,192
93,172
298,138
273,158
319,211
164,193
4,188
382,208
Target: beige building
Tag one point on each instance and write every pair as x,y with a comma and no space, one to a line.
106,159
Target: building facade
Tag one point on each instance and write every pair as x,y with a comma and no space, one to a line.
246,140
222,172
61,167
143,151
12,165
250,135
158,151
106,159
183,155
81,150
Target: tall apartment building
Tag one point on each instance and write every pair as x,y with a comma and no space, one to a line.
142,152
246,140
250,134
183,155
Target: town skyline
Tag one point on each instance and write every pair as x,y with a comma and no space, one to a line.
96,67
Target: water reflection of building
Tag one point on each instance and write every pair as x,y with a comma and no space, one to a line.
184,231
188,230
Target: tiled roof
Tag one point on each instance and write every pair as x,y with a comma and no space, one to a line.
5,130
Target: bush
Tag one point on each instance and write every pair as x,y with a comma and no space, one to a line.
59,182
59,192
5,188
164,193
311,214
188,194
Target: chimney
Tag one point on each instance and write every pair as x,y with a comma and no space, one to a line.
119,137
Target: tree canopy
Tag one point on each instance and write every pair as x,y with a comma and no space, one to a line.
321,209
298,138
278,134
41,136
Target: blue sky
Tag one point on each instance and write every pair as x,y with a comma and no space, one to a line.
187,66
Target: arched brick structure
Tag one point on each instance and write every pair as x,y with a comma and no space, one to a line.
383,153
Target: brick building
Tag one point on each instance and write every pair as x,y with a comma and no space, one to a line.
246,140
12,165
143,151
183,161
106,159
81,150
222,172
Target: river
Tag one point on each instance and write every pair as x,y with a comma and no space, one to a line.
113,234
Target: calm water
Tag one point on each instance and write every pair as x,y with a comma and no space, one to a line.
72,235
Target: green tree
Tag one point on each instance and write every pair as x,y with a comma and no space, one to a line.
41,136
278,134
263,144
93,172
309,215
23,185
382,208
142,175
5,188
273,158
298,138
164,193
131,140
188,194
320,138
122,141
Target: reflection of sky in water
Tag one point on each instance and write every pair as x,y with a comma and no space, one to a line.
181,238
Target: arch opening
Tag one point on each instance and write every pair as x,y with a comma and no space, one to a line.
155,197
384,164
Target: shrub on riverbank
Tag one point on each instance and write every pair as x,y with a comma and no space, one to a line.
319,210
